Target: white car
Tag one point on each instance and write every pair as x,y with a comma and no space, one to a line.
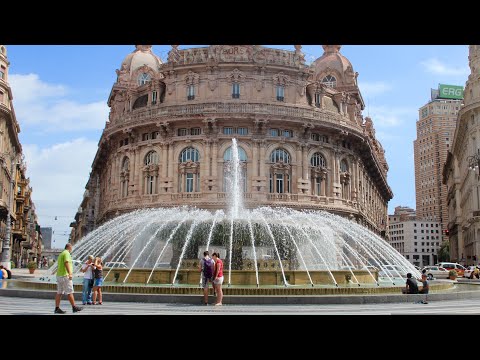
436,272
392,271
468,272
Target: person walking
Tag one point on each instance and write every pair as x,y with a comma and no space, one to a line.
98,280
64,280
217,278
87,269
206,269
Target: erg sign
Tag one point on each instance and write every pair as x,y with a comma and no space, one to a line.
450,91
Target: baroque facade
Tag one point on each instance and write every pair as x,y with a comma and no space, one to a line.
21,237
462,176
302,139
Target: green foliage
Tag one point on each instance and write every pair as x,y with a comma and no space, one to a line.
444,252
452,273
31,265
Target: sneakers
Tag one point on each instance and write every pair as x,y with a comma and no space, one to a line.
89,303
59,311
76,309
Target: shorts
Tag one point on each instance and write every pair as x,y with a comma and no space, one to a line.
98,282
64,285
218,280
205,281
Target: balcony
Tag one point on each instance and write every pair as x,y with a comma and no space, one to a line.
282,197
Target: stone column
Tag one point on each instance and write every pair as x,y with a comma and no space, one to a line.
164,160
215,160
255,167
263,145
170,168
304,162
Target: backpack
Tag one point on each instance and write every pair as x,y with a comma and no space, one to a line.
208,268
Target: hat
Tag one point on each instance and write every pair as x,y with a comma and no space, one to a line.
90,257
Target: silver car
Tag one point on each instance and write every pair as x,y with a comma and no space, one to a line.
436,272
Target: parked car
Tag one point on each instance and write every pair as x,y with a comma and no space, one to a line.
452,266
116,264
392,271
469,271
436,272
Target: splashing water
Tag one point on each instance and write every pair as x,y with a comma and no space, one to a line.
282,239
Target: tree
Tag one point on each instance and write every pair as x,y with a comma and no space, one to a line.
444,252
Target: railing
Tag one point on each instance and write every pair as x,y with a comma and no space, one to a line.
140,116
224,195
186,196
282,197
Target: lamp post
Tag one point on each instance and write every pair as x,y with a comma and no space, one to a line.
5,261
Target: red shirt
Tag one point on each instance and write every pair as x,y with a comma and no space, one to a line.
219,267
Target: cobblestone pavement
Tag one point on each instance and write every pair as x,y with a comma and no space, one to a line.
30,306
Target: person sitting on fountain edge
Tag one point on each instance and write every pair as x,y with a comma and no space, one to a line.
206,269
411,286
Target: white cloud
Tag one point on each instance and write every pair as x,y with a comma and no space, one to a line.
435,66
58,175
384,116
47,106
369,89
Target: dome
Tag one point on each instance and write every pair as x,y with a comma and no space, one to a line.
142,55
332,63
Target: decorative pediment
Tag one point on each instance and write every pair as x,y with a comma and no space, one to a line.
281,78
192,78
236,76
280,165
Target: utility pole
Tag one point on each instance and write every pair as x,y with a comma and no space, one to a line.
6,241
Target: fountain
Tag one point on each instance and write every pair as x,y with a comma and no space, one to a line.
261,247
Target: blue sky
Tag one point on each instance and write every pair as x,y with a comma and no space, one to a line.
60,99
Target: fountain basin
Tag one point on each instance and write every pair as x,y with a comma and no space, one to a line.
240,277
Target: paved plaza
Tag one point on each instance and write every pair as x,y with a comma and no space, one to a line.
32,306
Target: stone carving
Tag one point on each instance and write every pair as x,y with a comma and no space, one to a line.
173,55
122,74
236,75
191,78
281,79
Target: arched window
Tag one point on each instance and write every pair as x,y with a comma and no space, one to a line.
329,81
151,158
150,173
140,102
318,160
189,154
343,166
227,168
126,164
242,155
280,171
124,177
189,170
318,174
280,155
143,78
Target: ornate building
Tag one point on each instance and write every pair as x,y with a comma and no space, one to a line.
303,141
19,230
461,172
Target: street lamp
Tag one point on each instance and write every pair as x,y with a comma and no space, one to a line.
474,161
5,261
